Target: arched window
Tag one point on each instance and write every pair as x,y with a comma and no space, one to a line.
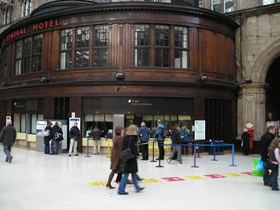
26,7
6,15
267,2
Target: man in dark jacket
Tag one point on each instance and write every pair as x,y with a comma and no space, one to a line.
48,136
74,135
8,137
57,135
176,141
265,141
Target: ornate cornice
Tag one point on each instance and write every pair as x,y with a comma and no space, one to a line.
120,6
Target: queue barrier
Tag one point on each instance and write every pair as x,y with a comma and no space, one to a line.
196,148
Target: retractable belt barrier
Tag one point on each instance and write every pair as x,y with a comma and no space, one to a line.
194,145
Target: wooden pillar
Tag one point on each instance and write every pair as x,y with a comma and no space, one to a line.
49,109
198,109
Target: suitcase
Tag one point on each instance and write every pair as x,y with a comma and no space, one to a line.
53,147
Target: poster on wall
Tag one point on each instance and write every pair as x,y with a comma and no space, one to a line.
8,118
72,120
199,130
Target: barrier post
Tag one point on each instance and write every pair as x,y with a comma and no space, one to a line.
194,157
159,159
214,151
153,160
232,156
87,147
198,152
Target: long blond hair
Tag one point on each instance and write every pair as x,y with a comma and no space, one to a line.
131,130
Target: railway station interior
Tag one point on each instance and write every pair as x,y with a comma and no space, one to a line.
209,67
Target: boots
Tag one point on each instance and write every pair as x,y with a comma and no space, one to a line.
108,185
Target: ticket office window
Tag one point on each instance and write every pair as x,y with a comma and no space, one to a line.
151,121
103,121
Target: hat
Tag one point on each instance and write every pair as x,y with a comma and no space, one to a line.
143,124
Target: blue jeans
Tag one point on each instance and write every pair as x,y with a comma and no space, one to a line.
7,151
274,178
124,181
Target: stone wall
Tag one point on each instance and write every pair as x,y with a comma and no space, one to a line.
257,46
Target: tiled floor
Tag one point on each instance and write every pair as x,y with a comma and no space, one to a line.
34,181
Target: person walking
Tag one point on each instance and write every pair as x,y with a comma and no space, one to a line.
8,138
144,135
273,163
130,166
176,147
116,155
96,135
265,141
245,141
48,135
75,135
159,137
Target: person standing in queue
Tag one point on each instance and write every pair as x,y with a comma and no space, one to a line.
159,137
144,135
96,135
176,144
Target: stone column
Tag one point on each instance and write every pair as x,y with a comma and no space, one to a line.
251,108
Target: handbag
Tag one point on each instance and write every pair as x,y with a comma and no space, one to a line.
127,154
271,165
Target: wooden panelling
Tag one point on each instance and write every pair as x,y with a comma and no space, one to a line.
207,49
54,51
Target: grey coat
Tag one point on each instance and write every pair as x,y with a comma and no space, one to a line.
8,135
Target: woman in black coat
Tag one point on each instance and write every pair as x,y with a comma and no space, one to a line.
131,167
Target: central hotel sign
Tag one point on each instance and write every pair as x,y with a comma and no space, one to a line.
36,27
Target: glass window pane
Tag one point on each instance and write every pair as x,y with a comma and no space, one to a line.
216,5
108,118
66,39
229,5
100,57
162,35
101,36
83,37
33,123
99,118
40,117
22,123
141,56
17,122
82,58
89,118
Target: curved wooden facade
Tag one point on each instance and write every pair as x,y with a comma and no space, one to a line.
202,86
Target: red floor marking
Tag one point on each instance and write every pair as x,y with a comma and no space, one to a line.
173,179
248,173
215,176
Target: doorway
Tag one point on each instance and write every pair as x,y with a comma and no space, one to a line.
273,92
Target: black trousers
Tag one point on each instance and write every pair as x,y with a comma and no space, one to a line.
145,150
161,150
